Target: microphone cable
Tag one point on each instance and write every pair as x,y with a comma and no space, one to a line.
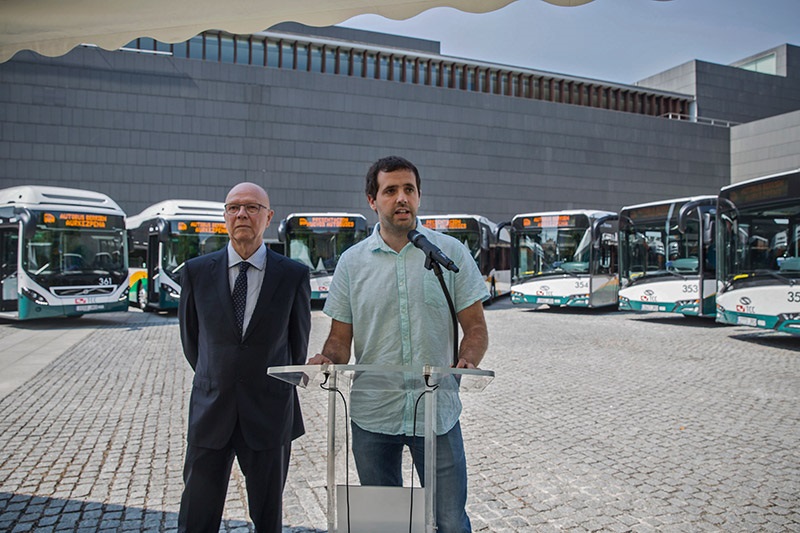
346,447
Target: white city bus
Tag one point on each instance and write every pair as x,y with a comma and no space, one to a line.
490,248
63,252
667,259
318,240
162,238
564,258
758,253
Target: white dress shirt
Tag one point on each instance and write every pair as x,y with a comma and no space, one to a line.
255,278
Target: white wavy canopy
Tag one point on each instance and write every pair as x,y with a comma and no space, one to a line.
54,27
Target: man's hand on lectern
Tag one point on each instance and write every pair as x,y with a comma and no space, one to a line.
463,363
319,359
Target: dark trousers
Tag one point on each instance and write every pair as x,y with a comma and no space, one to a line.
206,474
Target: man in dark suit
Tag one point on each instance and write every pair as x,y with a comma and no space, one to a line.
243,309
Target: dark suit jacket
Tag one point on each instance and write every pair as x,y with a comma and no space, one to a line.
231,380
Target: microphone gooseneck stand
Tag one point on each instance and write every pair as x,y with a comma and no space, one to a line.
430,264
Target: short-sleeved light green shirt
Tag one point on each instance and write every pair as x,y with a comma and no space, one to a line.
400,316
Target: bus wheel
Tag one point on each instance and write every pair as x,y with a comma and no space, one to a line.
141,297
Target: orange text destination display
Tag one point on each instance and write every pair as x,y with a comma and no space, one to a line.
554,221
658,212
326,222
443,224
194,227
759,192
76,220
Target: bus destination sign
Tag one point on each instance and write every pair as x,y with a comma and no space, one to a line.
196,226
553,221
444,224
653,211
759,192
75,220
326,222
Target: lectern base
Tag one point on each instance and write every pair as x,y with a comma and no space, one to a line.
380,509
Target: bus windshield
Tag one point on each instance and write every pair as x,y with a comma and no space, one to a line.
465,230
77,255
189,239
320,249
549,248
658,248
319,240
760,242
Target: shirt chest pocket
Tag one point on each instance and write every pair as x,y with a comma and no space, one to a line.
434,296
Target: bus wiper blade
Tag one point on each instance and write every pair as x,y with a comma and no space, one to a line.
657,274
671,273
562,271
776,275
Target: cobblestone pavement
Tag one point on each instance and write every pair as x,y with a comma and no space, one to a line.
596,421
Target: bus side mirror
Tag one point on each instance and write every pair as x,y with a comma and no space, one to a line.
162,227
28,224
282,231
709,226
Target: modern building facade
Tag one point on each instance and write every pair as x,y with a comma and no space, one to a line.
304,111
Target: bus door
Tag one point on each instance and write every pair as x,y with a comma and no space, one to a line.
9,245
153,262
604,282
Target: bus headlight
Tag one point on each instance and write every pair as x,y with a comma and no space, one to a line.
171,292
35,296
124,295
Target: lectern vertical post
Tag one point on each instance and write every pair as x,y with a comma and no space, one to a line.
331,477
430,459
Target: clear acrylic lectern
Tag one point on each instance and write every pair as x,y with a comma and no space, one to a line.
366,385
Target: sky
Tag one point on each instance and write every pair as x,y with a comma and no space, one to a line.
621,41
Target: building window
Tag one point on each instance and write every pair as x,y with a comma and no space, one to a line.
196,47
447,76
398,72
226,49
243,50
382,64
301,56
286,57
212,47
257,52
767,64
343,63
163,47
357,61
329,60
273,54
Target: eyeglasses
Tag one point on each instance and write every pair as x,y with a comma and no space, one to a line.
250,209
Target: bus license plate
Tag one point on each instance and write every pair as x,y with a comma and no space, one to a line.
545,301
94,307
649,307
746,321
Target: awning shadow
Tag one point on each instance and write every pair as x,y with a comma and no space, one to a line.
22,512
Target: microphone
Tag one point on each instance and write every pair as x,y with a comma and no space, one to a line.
431,250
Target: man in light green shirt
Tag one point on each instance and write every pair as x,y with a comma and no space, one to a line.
385,303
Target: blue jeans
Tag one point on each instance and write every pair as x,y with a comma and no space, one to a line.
379,461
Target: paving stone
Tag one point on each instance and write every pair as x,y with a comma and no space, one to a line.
596,421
